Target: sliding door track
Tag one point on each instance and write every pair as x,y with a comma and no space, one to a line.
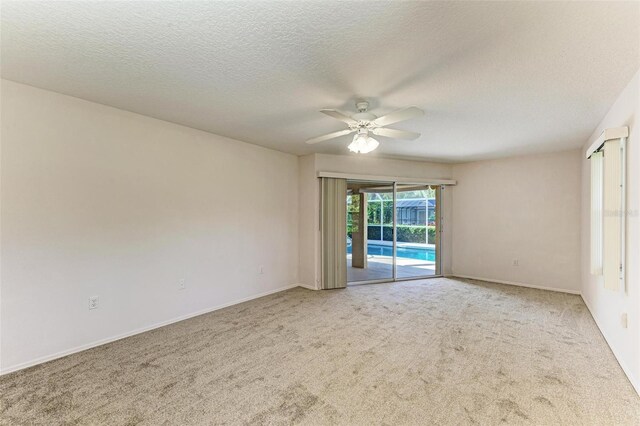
392,280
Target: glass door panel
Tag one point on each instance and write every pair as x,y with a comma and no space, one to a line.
417,236
370,231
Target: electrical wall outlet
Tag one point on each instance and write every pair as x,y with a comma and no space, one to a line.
182,284
261,269
516,262
93,302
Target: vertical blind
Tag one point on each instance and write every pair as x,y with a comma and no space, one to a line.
612,215
334,233
596,213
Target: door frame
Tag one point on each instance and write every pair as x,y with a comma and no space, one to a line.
438,245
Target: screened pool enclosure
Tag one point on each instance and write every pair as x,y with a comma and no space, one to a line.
391,231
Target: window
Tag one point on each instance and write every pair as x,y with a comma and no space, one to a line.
607,156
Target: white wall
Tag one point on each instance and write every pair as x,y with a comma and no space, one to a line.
310,165
607,306
99,201
309,220
525,208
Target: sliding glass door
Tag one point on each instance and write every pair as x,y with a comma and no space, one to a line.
369,231
417,239
392,231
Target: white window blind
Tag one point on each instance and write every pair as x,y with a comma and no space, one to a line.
596,213
612,214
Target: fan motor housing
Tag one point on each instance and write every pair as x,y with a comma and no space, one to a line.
364,116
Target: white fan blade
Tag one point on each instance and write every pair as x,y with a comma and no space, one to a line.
330,136
340,116
395,134
399,115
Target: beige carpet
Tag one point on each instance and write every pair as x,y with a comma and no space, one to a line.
438,351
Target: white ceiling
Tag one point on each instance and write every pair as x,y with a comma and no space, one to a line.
495,79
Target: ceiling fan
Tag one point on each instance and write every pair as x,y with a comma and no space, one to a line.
364,123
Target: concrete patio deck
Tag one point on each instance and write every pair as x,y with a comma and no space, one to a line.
381,267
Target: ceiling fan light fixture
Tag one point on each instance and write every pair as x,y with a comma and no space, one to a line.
363,144
363,122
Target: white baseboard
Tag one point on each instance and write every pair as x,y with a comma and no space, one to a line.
634,382
491,280
81,348
308,287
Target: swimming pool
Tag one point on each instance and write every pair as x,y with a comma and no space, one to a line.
406,252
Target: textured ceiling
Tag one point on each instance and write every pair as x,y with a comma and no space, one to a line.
495,79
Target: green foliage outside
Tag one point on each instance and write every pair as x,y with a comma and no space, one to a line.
406,234
381,212
374,214
432,234
353,208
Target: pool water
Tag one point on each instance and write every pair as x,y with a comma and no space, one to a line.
409,253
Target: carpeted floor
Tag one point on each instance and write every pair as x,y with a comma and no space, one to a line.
438,351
